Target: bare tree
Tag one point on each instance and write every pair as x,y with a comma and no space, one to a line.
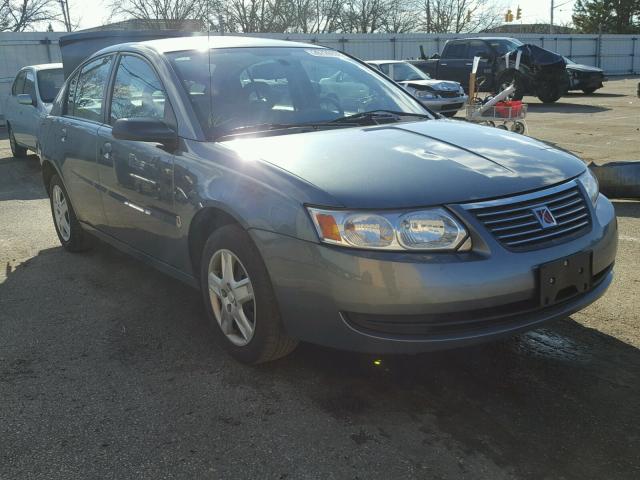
172,12
459,16
21,15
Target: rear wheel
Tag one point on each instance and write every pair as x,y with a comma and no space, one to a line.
239,298
71,235
16,150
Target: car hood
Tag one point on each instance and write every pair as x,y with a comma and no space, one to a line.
439,85
583,68
412,164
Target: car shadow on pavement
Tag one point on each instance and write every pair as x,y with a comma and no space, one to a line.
627,208
114,346
561,106
20,179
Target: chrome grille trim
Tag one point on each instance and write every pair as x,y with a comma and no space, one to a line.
512,221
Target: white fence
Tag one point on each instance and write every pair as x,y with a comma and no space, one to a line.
616,54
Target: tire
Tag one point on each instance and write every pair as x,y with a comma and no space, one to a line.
16,150
589,91
258,341
550,94
506,79
70,233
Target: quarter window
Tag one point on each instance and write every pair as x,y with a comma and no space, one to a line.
138,92
86,91
18,85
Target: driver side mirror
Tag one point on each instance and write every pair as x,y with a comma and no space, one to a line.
145,130
25,99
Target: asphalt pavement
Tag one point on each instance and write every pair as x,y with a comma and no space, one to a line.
108,370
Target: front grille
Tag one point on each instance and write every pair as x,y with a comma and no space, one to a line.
449,94
514,224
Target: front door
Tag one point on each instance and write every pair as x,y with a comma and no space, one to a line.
137,176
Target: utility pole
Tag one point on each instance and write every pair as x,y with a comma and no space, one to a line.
551,22
66,17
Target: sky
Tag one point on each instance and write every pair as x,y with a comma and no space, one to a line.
92,13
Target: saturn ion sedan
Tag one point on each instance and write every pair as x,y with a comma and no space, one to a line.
353,218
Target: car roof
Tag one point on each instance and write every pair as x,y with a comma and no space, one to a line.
178,44
382,62
45,66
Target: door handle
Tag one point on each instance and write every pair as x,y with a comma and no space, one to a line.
468,64
107,149
443,64
63,135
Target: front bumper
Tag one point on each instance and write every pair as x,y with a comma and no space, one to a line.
446,104
395,302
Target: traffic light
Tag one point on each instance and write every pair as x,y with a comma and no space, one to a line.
508,17
518,13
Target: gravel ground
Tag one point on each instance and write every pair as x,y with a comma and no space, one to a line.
108,370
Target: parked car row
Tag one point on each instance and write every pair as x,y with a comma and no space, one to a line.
311,198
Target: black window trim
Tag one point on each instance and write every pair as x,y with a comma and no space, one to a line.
112,83
77,73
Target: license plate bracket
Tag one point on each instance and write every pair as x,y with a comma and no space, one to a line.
564,278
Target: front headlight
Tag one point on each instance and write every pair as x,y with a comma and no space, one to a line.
590,184
434,229
425,94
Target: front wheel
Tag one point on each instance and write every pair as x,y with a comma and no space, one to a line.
72,237
550,94
16,150
239,298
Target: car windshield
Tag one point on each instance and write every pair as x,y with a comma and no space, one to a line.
503,46
234,89
49,84
403,72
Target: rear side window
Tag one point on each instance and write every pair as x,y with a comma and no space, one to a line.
18,84
49,84
478,48
86,91
138,92
455,50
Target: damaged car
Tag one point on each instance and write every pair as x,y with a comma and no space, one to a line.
442,96
539,72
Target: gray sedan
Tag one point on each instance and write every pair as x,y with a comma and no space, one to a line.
348,217
32,95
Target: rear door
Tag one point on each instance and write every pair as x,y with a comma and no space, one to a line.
453,63
29,114
479,48
138,176
15,111
75,137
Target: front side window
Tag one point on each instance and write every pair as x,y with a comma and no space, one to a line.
86,91
236,88
478,48
385,68
49,84
18,85
137,91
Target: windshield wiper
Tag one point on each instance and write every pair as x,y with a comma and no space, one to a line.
273,127
374,115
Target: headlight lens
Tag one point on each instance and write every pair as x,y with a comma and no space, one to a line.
425,95
590,184
433,229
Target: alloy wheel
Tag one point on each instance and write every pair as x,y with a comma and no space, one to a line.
61,212
232,298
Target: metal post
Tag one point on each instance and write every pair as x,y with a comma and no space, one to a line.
551,18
